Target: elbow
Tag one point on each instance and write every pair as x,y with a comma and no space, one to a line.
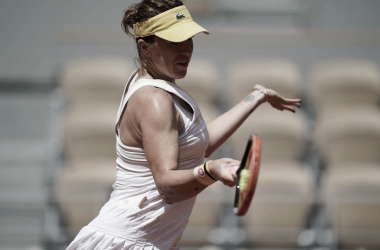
168,197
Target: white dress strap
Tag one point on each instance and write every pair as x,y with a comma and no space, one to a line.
131,79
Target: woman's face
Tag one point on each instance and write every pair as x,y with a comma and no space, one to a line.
168,60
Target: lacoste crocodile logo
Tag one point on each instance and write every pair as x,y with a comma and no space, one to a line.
180,16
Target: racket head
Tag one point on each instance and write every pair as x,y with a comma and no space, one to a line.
251,161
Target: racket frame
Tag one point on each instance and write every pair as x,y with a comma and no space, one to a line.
252,154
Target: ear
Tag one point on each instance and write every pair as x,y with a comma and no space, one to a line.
144,48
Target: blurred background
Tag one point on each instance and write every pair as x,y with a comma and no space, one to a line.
63,67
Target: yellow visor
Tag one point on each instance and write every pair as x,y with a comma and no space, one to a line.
175,25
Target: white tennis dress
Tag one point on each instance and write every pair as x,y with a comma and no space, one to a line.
121,223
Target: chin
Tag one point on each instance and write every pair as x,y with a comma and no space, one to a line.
181,75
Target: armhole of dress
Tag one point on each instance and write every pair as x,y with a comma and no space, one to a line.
124,105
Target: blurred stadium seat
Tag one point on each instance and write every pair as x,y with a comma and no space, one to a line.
92,80
349,135
200,7
25,167
344,83
281,208
284,134
92,88
351,194
82,188
205,217
279,74
89,131
348,142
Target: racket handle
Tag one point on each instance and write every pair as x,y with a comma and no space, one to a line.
233,171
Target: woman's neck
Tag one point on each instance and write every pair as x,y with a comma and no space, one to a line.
151,73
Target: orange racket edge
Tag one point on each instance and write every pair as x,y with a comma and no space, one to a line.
251,162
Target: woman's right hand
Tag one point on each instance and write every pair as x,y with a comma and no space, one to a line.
222,170
277,101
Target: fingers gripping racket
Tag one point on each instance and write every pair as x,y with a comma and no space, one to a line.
247,175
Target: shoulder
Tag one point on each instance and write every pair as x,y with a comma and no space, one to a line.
152,104
151,97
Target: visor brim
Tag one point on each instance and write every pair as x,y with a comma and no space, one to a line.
181,31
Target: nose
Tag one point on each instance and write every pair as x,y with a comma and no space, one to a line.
187,47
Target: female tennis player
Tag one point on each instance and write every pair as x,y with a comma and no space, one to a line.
162,139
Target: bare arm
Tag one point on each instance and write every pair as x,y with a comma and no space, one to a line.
159,125
225,125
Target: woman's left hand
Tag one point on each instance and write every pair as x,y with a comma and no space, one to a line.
277,101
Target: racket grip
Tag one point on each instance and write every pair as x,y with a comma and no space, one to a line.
233,171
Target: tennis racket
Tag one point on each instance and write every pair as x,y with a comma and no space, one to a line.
247,175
